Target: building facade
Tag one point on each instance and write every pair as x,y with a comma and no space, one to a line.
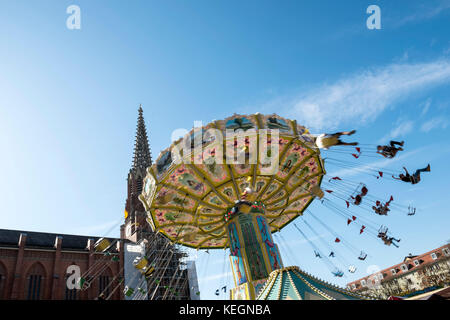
39,266
415,273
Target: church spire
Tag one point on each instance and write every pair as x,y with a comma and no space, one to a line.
142,156
134,210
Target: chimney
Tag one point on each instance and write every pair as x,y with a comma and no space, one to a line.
22,239
90,245
58,242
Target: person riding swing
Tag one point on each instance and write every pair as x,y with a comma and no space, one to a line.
325,140
391,150
413,179
382,210
389,240
382,234
359,197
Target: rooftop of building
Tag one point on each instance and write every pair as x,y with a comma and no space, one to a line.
423,260
10,238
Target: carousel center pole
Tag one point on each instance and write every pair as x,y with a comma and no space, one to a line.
253,254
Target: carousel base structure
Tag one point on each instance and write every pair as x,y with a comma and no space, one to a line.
291,283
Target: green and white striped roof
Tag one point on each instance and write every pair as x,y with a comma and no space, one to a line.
293,284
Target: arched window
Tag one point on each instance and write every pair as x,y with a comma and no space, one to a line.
2,280
35,282
104,283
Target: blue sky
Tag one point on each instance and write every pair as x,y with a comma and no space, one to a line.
69,99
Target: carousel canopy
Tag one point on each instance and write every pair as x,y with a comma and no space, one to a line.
194,182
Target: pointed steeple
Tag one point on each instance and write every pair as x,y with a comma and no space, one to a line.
135,213
142,156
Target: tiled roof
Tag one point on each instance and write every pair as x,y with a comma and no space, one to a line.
10,238
423,258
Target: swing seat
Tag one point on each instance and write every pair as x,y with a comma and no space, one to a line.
148,272
338,273
101,245
140,263
141,290
83,283
128,291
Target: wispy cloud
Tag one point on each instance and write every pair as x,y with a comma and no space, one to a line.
402,129
362,97
435,123
424,12
426,106
418,14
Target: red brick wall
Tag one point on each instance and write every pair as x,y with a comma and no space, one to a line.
15,264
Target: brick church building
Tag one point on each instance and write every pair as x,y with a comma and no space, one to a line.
44,266
34,265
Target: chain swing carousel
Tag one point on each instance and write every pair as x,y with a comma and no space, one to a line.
227,185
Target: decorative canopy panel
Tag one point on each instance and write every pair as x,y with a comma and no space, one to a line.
195,182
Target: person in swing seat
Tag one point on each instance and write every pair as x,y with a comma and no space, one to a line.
413,179
391,150
325,140
381,210
389,240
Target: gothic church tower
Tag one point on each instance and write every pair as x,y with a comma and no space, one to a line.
135,225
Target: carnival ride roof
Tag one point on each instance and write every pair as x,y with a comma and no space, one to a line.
194,182
291,283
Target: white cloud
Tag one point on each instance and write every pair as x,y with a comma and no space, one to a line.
424,13
401,130
426,106
362,97
434,123
420,13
